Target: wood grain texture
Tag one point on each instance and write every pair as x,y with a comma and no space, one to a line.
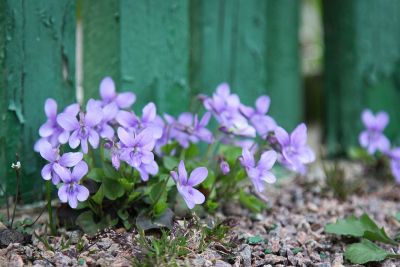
38,49
155,52
101,43
252,45
362,67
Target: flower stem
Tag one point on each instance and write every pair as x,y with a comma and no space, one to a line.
17,176
49,208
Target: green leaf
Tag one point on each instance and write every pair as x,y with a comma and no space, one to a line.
99,196
192,151
360,227
156,191
96,174
251,202
366,251
358,153
254,240
160,208
86,221
123,214
145,222
209,181
231,153
113,189
109,171
170,162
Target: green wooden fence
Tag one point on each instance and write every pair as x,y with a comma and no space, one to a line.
165,51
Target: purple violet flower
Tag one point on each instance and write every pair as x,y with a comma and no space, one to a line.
188,129
52,155
224,167
373,138
136,150
185,185
260,173
394,156
108,94
258,118
71,191
51,131
295,152
84,130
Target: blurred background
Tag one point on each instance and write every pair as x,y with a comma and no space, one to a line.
321,62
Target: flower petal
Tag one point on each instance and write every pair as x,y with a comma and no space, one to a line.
282,136
107,89
381,120
47,151
126,139
182,173
94,138
63,193
74,140
149,112
262,104
82,192
63,172
46,129
298,137
125,100
46,171
70,159
110,111
197,176
126,119
80,170
67,121
247,158
50,108
267,160
93,116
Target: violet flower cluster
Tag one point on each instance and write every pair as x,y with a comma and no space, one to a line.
374,140
137,140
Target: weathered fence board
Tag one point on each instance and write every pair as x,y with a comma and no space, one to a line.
38,61
362,66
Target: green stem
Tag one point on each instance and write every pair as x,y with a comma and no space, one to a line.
50,208
393,256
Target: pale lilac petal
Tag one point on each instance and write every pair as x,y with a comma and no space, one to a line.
267,160
306,155
39,143
246,111
268,177
282,136
48,152
395,153
147,157
63,193
363,139
205,135
125,100
72,109
74,140
151,168
149,112
182,172
72,200
298,137
197,176
233,101
107,89
107,131
247,158
174,176
383,144
68,122
84,145
50,108
191,196
186,118
55,179
262,104
126,119
381,120
368,118
94,138
143,174
93,116
63,172
110,111
115,161
82,193
224,167
80,170
205,119
63,137
259,184
125,137
47,129
395,168
223,90
70,159
46,171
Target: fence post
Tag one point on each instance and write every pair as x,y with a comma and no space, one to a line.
37,59
362,67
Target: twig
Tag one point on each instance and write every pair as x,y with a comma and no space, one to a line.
17,168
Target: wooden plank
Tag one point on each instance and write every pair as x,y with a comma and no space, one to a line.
101,43
253,45
155,52
38,48
362,66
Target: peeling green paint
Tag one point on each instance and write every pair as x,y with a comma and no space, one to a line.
38,45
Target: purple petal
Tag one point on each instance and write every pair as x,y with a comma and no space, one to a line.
268,177
84,145
107,132
298,137
395,153
72,200
224,167
70,159
223,90
63,172
149,112
262,104
247,158
39,143
63,193
381,120
82,193
182,172
383,144
174,176
125,100
205,119
110,111
368,118
191,196
46,129
94,138
63,137
282,136
363,139
47,151
258,183
46,171
267,160
93,116
197,176
107,89
126,139
50,108
126,119
306,155
151,168
246,111
80,170
68,122
74,140
72,109
186,118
